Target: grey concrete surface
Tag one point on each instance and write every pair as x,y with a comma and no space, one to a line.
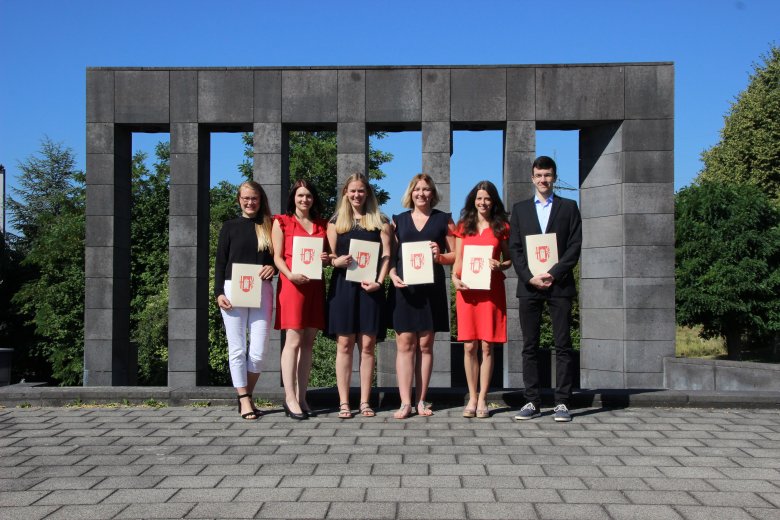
205,462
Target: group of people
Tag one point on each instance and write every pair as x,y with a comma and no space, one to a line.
360,312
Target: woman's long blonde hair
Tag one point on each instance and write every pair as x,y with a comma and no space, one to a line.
262,230
406,200
345,219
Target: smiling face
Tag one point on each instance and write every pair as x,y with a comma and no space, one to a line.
422,194
543,180
483,203
249,200
356,195
303,200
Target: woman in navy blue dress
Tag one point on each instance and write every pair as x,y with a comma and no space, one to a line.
419,311
356,308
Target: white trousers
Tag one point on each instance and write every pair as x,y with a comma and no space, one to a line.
258,322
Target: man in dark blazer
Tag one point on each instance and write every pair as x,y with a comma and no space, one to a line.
546,212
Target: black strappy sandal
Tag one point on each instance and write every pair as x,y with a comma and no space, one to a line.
249,416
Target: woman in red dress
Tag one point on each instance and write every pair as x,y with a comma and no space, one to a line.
481,313
300,301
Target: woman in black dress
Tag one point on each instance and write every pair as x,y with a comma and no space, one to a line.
356,309
419,311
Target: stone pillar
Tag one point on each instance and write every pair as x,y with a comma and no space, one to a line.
188,246
107,357
519,152
437,149
271,170
627,291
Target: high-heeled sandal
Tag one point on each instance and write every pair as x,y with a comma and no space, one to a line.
258,413
345,413
248,416
404,411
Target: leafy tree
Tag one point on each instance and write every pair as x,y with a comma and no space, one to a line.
313,157
749,149
223,207
49,211
728,262
149,264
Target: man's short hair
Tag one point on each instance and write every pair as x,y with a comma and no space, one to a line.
544,163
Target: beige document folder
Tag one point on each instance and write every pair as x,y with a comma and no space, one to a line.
476,272
541,252
365,258
306,258
417,259
245,286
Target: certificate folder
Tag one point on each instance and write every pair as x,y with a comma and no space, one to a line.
475,272
541,252
306,258
245,286
417,259
365,258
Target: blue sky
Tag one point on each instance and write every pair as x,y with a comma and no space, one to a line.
47,45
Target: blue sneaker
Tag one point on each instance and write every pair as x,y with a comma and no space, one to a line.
561,413
528,411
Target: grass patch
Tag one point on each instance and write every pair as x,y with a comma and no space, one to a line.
263,403
154,403
201,404
688,344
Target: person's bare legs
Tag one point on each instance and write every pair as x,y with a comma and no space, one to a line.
304,366
367,360
290,368
485,374
424,367
406,343
345,346
471,366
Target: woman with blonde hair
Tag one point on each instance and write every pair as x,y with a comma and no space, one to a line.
356,308
246,240
419,311
481,313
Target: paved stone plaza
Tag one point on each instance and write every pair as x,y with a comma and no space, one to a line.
191,462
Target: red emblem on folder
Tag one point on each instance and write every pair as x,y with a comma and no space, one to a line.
307,255
542,253
247,282
477,264
418,260
363,258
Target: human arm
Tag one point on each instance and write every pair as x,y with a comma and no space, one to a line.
277,238
457,267
384,267
570,248
343,261
397,281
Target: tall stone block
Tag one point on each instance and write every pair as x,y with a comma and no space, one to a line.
188,250
519,154
108,359
309,96
270,143
393,96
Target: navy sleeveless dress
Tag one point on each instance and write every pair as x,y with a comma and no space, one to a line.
352,310
418,308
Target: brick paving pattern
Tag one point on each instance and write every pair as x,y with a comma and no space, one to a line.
193,462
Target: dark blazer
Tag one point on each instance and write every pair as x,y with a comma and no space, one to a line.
566,223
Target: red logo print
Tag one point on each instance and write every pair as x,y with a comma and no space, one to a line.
418,260
247,282
477,264
307,255
363,258
542,253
